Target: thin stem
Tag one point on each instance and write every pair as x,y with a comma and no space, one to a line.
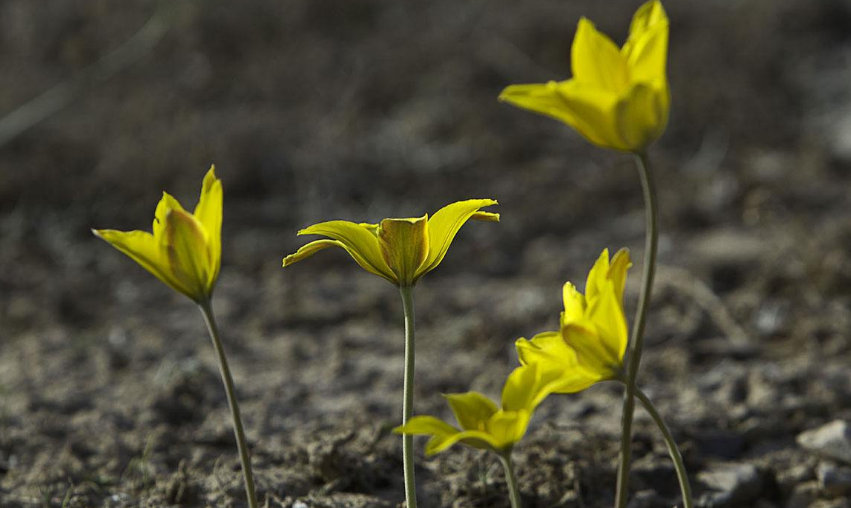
673,451
510,478
407,293
651,245
227,380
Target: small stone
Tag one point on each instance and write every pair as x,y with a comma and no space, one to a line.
831,441
834,481
645,499
732,484
803,495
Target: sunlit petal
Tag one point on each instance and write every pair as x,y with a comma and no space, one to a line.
597,61
404,246
444,225
471,409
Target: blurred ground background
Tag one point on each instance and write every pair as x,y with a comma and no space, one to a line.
321,109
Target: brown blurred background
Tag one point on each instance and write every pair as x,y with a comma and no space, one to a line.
323,109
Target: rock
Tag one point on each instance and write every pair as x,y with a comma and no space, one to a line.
803,495
834,481
645,499
832,440
731,484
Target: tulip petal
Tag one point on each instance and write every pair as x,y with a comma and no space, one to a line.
404,246
358,240
607,314
592,355
508,427
426,426
642,115
540,98
593,108
471,409
209,214
557,364
184,245
444,225
166,204
646,49
305,251
596,61
621,262
598,277
141,247
473,438
574,303
523,389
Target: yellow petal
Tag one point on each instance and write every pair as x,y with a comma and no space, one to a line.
485,216
574,304
543,98
404,246
209,214
305,251
167,203
426,426
508,427
359,240
557,364
142,248
617,272
608,317
593,110
444,225
184,245
520,388
598,277
596,60
471,409
592,354
474,438
525,388
642,116
646,49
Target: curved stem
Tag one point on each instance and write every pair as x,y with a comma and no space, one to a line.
407,293
673,450
227,380
510,479
651,245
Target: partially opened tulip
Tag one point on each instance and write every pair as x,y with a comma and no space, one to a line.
483,424
591,343
618,97
400,251
590,346
185,251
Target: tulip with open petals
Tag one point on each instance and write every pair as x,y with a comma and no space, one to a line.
399,250
483,424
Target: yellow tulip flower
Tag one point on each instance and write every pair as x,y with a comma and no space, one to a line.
617,98
483,424
185,250
592,341
399,250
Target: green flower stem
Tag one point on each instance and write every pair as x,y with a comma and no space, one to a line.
227,380
651,245
407,293
510,478
673,451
